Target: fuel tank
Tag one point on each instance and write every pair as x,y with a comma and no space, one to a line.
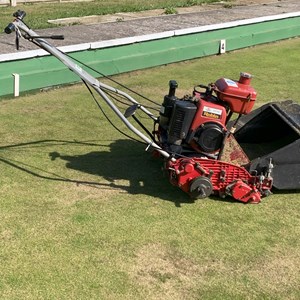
239,95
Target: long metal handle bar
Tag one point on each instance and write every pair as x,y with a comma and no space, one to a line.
93,82
43,43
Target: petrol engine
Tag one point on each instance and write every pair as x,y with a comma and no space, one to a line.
196,124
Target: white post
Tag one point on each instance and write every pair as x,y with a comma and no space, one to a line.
222,46
16,84
13,3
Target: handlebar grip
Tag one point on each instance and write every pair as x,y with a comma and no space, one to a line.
57,37
20,14
9,28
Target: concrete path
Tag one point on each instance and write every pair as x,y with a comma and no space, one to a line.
126,25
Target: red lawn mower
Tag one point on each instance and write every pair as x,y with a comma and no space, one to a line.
204,151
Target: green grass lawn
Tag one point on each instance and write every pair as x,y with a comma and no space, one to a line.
88,214
40,13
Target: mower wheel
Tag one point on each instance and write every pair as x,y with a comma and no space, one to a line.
201,187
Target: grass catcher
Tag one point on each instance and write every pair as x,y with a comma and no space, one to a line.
204,152
271,135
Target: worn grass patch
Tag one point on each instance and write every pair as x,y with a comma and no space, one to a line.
165,273
87,214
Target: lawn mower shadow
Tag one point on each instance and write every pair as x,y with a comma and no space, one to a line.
127,167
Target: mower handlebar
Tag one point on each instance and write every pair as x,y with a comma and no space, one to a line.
20,15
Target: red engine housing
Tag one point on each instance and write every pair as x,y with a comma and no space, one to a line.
208,126
207,112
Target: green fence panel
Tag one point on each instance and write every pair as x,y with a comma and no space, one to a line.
46,71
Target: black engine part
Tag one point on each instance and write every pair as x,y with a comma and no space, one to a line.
209,137
181,120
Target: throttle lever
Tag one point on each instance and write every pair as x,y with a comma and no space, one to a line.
57,37
53,37
17,41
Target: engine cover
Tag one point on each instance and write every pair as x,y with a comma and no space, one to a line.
208,127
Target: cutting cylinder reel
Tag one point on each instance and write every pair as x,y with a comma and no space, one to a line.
202,177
